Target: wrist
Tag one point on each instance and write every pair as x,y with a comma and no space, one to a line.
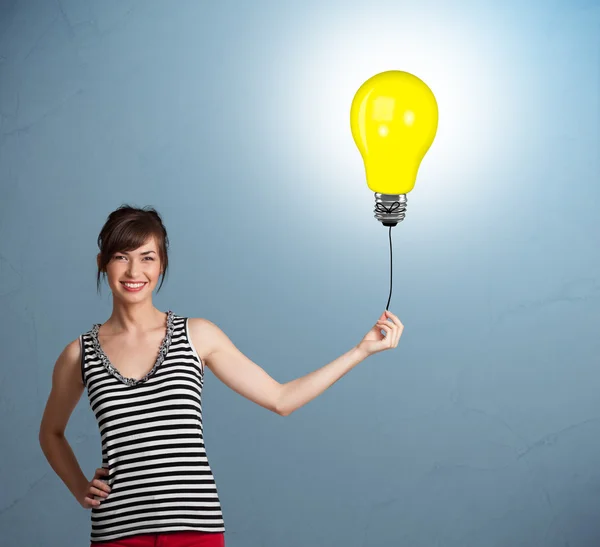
360,353
81,488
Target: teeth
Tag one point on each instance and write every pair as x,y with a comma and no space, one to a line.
134,285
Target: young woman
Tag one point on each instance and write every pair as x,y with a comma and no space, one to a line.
144,372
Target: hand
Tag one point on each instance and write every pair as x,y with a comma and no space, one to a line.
374,341
94,488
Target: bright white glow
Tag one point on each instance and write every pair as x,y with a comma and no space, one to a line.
338,51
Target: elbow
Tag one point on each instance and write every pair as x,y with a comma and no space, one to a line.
46,436
43,441
42,435
279,406
283,411
280,409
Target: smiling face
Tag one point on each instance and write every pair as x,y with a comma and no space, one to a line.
133,275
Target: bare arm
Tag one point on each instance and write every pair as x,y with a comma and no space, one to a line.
302,390
232,367
248,379
67,387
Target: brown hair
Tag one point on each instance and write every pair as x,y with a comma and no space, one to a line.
128,228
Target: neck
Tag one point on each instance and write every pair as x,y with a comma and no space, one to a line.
138,317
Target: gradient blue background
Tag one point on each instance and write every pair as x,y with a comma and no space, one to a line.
231,118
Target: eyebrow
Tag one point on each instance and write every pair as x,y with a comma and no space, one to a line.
144,253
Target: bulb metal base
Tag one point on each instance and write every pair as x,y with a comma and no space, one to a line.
390,208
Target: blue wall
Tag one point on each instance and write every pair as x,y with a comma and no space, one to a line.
231,118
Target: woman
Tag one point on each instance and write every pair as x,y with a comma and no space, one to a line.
144,372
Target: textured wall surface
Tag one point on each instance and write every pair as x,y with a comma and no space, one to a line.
231,118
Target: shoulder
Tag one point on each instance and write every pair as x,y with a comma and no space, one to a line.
200,328
206,336
72,351
68,362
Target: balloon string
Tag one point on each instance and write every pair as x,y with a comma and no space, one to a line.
391,271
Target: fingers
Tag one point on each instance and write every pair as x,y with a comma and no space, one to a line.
97,489
384,325
392,335
394,319
399,327
101,486
388,330
90,502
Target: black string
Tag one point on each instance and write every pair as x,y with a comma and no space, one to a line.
391,271
381,208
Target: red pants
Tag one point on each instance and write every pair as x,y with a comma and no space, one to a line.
171,539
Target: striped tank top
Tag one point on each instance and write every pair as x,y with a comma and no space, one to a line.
152,441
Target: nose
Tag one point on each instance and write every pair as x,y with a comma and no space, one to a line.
132,269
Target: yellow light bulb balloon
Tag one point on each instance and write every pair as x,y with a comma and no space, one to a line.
394,119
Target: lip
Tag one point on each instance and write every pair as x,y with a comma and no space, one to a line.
134,290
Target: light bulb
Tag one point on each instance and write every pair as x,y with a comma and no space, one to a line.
394,119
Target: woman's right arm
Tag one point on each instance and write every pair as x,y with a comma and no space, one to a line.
67,387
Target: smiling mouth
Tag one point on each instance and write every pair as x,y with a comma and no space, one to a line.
133,286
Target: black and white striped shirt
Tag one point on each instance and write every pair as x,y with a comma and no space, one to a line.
152,441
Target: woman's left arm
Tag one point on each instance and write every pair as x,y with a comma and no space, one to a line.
248,379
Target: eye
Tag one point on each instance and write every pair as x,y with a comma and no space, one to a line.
149,258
